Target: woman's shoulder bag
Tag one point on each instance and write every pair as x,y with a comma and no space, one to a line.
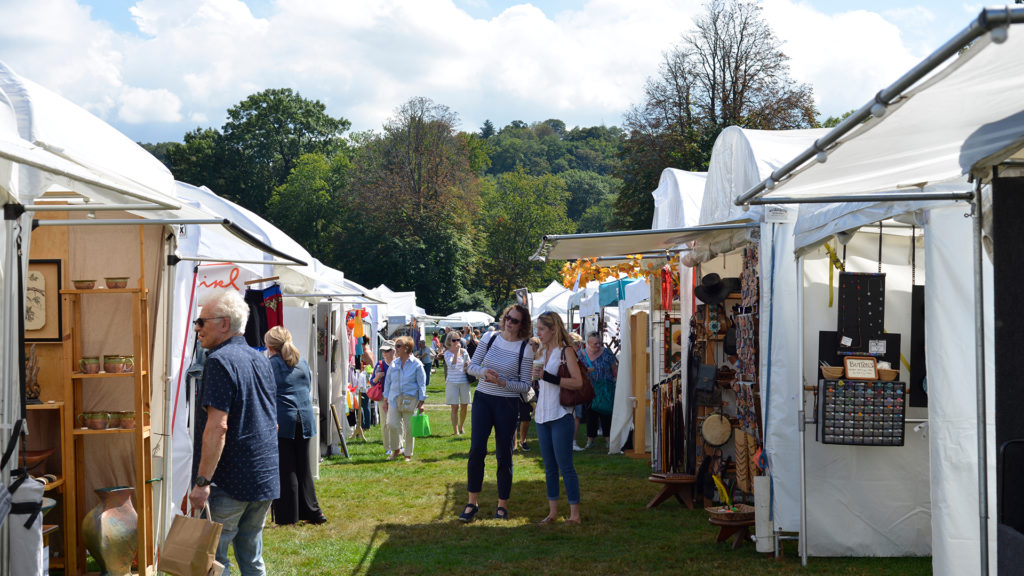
570,397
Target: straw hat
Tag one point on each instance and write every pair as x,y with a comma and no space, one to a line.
716,429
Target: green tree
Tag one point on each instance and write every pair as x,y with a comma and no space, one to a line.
414,197
200,160
729,71
586,189
518,211
487,130
308,206
258,146
599,217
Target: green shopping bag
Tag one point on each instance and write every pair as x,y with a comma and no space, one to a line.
420,425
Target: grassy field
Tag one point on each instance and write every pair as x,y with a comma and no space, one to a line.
401,518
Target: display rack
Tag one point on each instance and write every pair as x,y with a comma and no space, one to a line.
132,310
45,433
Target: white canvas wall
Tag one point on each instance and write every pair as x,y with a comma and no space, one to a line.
865,500
952,418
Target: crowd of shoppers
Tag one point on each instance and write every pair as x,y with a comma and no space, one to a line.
255,417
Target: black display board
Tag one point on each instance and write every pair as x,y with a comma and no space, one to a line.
1007,275
861,312
862,413
828,349
918,394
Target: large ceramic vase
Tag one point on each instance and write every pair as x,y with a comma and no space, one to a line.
110,530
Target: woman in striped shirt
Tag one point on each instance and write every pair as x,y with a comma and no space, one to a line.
502,364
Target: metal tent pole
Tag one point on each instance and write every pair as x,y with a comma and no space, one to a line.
166,473
800,411
7,383
979,373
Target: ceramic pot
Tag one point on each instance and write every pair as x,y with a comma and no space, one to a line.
127,419
84,284
115,420
113,364
95,420
110,530
89,365
129,363
115,282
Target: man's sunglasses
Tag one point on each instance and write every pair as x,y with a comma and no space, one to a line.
512,319
200,322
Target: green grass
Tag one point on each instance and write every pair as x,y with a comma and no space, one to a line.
400,518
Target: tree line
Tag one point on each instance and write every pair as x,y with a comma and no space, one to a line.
454,215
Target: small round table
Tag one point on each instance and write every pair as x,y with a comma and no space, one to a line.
727,528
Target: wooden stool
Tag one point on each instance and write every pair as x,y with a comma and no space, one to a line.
673,485
741,528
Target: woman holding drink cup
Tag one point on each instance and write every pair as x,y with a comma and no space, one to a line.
555,422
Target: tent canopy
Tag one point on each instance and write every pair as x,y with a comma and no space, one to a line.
470,318
573,246
42,128
960,120
677,199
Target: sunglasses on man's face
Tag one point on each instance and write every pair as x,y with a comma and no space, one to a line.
200,322
512,319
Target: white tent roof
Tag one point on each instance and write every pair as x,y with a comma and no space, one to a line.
677,199
471,318
554,298
966,117
37,125
741,158
677,206
400,304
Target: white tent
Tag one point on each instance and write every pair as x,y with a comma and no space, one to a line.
48,144
970,119
462,319
677,199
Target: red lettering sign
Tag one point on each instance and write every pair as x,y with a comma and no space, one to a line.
229,283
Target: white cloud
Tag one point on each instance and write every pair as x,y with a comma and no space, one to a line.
190,60
138,105
846,57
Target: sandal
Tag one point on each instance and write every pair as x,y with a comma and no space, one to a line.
469,513
501,513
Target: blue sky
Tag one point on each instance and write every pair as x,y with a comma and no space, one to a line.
156,69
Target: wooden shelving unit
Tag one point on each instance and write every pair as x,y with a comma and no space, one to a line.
132,310
46,431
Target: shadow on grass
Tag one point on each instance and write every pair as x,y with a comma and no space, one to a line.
447,546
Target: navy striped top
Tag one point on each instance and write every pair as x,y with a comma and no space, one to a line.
501,357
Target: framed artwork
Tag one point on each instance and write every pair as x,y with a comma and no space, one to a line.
42,301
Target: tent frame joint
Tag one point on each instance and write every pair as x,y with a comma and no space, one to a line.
13,211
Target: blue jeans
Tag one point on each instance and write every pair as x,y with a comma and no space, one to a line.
243,527
502,414
555,439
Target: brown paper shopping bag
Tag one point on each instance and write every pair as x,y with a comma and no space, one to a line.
190,546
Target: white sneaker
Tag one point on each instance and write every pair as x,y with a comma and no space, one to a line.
588,446
576,447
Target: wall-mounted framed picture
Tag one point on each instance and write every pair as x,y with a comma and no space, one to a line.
42,301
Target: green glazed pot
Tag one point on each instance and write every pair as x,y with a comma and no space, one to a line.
110,530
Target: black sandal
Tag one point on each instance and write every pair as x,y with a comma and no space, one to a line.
501,513
469,513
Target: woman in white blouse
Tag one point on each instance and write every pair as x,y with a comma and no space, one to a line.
555,424
456,384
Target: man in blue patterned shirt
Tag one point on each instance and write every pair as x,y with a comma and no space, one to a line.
235,464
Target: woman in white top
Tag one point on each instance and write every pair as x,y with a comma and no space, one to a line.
456,384
555,422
